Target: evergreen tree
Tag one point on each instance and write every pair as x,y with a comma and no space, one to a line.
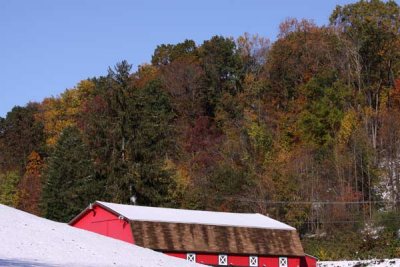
151,144
149,135
71,181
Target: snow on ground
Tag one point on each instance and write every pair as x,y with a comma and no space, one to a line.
361,263
28,240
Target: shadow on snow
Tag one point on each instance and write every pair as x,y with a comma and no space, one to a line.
22,263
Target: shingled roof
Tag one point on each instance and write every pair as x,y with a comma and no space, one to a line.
179,230
216,239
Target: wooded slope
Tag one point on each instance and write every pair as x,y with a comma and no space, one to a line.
305,129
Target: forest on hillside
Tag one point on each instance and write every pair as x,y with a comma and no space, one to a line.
305,129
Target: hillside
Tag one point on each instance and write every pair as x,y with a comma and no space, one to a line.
305,128
28,240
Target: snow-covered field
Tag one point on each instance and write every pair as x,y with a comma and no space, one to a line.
28,240
362,263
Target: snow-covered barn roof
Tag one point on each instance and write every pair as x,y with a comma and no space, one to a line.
168,215
165,229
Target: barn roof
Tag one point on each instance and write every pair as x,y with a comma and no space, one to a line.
198,238
179,230
167,215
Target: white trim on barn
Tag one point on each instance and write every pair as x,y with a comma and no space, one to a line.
253,261
283,262
223,259
191,257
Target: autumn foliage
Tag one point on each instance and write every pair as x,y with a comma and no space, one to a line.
305,129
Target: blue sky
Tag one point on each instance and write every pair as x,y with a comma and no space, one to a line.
47,46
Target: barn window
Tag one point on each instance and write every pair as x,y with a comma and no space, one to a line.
283,262
223,260
191,257
253,261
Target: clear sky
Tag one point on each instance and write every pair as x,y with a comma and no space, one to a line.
47,46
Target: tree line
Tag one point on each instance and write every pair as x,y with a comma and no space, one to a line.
243,125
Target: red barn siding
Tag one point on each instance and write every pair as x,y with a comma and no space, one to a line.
207,259
238,260
103,222
308,261
268,261
243,260
293,261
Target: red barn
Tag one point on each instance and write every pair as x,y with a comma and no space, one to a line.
213,238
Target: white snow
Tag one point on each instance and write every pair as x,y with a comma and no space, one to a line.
140,213
28,240
363,263
387,187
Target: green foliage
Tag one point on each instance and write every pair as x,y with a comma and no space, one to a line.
327,100
70,180
261,138
223,70
137,166
151,120
228,184
390,221
8,188
165,54
352,244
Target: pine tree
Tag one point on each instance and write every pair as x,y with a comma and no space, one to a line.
149,134
71,180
